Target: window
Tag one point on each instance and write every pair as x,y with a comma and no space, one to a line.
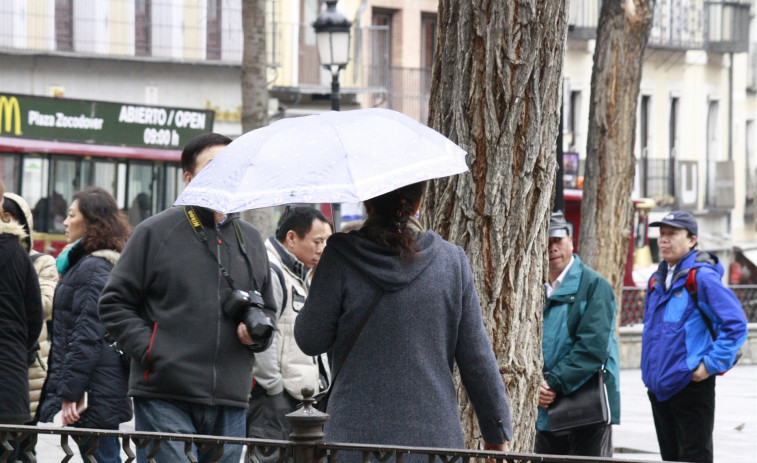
644,143
309,69
713,150
35,176
140,186
750,188
673,144
9,170
64,25
574,118
428,39
213,44
383,18
142,28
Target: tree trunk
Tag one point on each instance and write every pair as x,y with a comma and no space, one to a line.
622,35
254,90
496,92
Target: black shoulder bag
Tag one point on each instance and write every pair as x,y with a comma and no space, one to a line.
322,398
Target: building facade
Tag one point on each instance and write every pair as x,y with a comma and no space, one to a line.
695,126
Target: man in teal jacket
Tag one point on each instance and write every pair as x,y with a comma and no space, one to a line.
578,340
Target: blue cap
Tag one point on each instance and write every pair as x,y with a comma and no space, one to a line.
679,219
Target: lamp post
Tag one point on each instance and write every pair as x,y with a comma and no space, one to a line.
332,36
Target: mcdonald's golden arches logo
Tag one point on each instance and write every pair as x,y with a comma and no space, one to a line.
10,115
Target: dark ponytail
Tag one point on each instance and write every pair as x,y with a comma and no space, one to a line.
387,225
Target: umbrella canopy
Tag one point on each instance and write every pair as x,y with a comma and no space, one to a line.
334,157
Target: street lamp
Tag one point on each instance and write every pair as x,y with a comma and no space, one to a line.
332,35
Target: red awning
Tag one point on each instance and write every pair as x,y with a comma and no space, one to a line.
23,145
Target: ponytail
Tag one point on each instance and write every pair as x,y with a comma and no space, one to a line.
387,225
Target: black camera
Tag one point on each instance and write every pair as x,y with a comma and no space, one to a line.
247,307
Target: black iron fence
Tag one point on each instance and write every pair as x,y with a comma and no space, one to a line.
632,310
306,445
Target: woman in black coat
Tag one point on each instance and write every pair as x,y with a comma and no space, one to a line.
81,362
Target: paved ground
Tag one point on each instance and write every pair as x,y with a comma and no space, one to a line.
735,421
735,435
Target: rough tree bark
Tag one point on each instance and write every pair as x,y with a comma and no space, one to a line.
496,92
255,90
622,36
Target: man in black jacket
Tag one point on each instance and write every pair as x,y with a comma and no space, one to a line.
21,316
191,368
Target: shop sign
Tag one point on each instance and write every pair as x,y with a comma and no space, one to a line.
100,122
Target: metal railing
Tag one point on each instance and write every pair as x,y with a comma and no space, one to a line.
408,91
632,309
715,25
306,445
656,180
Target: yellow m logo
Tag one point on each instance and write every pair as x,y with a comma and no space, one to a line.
10,113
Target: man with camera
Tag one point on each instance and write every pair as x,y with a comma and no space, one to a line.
578,343
191,301
281,372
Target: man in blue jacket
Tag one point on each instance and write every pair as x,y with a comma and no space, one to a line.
578,340
693,329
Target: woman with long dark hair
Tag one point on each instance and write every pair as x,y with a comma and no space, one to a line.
81,361
395,385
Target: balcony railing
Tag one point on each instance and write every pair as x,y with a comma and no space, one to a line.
679,24
408,91
655,180
717,25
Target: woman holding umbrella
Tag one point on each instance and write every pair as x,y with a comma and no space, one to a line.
82,363
410,297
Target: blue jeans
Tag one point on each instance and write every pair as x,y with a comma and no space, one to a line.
109,450
178,416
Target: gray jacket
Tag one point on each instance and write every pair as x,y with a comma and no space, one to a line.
163,301
396,387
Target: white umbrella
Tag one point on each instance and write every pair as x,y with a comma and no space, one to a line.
333,157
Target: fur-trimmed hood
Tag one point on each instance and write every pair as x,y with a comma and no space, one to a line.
107,254
13,228
24,206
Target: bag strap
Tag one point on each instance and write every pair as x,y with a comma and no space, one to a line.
37,256
691,287
324,394
283,284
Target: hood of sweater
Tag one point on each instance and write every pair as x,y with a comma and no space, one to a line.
22,204
380,263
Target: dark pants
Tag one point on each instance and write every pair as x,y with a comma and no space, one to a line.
266,419
684,422
587,441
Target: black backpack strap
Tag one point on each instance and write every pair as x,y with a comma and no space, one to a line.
691,288
37,256
282,281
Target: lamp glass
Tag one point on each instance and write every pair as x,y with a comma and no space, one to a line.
323,42
340,47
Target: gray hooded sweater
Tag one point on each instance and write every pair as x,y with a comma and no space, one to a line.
396,387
